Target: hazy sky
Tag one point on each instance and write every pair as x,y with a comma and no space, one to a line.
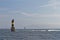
30,13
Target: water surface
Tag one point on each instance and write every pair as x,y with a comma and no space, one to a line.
24,34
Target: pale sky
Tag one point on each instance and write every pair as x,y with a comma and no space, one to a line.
31,14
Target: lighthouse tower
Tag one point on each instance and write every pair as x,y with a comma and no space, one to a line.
12,25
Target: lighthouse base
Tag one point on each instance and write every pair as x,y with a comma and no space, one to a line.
12,29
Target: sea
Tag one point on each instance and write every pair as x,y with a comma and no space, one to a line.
29,34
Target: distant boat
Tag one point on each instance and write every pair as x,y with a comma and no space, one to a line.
12,25
24,27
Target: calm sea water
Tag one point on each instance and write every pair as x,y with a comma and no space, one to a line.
20,34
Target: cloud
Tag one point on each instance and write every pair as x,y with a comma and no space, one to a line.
52,3
41,15
37,15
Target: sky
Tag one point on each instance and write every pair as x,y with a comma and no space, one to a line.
32,14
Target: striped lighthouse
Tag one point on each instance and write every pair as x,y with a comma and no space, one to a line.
12,25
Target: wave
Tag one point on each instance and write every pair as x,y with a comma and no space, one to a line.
45,30
38,30
53,30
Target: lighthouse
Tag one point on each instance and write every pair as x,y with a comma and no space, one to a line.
12,25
